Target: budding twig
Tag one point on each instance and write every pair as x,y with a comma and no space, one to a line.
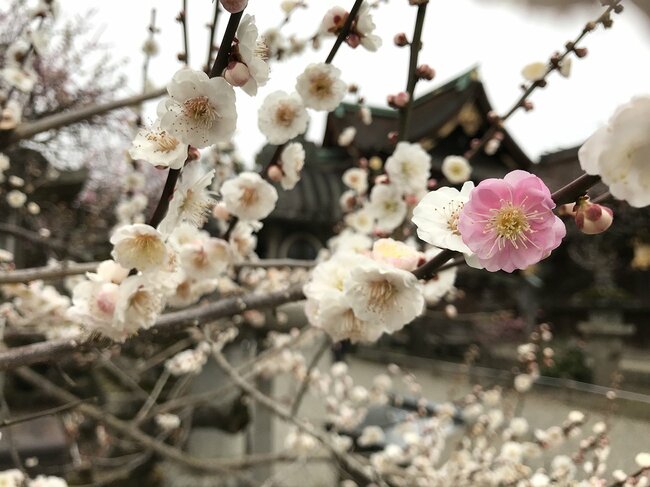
344,32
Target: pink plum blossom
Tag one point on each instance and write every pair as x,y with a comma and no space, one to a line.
509,223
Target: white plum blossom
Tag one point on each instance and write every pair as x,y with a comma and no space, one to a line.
436,217
291,162
396,253
356,178
456,169
139,303
140,246
93,305
365,27
187,362
371,435
158,148
350,240
243,240
47,481
282,117
248,196
409,167
19,78
12,478
333,20
109,271
167,422
320,87
534,71
440,284
346,137
360,220
249,53
192,200
200,111
619,153
206,258
387,206
381,293
16,198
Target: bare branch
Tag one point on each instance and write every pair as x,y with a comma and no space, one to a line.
169,322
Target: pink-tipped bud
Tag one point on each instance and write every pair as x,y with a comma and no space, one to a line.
275,173
234,6
393,136
237,74
399,100
401,40
424,71
193,154
432,183
412,199
220,212
592,218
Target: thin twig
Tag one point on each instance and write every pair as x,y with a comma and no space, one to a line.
416,46
304,385
36,238
345,31
41,414
186,36
349,463
169,322
221,62
153,397
213,31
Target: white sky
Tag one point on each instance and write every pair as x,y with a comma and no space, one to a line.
458,34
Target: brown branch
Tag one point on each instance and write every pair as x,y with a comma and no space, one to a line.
429,269
169,322
47,412
36,238
221,62
29,129
348,462
344,31
416,46
223,465
576,188
213,31
186,36
552,66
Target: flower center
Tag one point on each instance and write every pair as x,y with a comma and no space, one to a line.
452,221
261,50
510,223
201,111
164,141
381,294
321,85
248,197
352,326
285,114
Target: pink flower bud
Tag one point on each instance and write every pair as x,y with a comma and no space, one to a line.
237,74
234,6
381,179
432,183
401,40
401,99
393,136
275,173
412,199
592,218
220,212
424,71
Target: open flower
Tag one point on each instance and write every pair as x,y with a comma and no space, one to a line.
619,152
409,167
456,169
191,201
381,293
248,56
206,258
249,197
395,253
292,161
199,111
140,246
356,178
320,87
509,223
436,217
158,148
139,303
387,206
282,117
365,28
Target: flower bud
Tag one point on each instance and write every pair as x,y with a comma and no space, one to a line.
592,218
424,71
581,51
193,154
237,74
220,212
234,6
399,100
274,173
401,40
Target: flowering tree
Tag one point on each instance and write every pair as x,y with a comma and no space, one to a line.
372,280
